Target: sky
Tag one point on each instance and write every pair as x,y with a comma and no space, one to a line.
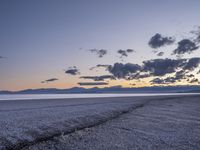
55,43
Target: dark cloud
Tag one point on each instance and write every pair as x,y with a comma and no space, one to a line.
120,70
197,40
161,67
179,75
124,53
158,41
192,64
72,71
100,52
105,66
160,54
49,80
177,68
99,66
194,80
130,50
157,81
185,46
92,83
186,65
198,72
190,75
138,75
168,80
98,78
132,84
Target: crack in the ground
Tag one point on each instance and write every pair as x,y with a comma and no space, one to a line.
114,115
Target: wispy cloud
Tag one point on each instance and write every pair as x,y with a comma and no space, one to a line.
99,66
167,80
98,78
49,80
92,83
99,52
125,53
160,54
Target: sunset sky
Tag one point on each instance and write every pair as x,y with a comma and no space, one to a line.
58,43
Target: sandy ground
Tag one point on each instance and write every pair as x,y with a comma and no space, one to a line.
167,122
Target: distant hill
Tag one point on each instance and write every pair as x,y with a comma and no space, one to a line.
115,89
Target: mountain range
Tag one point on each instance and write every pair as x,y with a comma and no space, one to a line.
114,89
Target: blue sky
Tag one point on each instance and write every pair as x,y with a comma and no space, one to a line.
41,38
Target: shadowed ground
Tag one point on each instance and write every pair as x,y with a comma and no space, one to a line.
167,122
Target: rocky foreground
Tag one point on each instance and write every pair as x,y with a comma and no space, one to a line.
163,122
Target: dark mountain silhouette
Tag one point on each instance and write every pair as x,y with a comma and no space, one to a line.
115,89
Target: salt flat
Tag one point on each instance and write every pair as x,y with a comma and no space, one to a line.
164,122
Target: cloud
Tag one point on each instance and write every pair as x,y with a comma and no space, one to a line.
180,75
198,72
98,78
177,68
139,75
190,75
170,80
197,35
49,80
120,70
132,84
186,66
161,67
167,80
194,80
105,66
92,83
72,71
160,54
157,81
100,52
99,66
192,64
158,41
185,46
124,53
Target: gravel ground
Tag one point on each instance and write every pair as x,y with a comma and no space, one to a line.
166,122
30,121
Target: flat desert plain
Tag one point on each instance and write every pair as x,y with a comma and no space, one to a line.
122,123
